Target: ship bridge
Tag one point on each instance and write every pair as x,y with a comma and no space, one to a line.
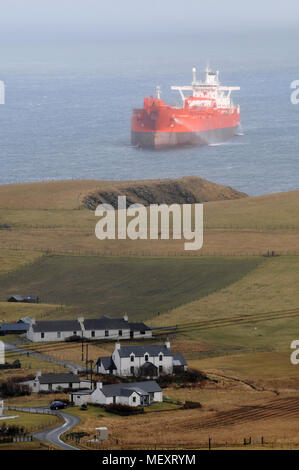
210,91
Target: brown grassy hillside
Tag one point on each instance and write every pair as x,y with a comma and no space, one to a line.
75,194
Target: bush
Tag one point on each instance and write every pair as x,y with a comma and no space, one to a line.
189,405
11,430
11,389
124,410
14,365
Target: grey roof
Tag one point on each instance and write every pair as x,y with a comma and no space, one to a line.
127,392
148,365
108,323
107,363
59,378
58,325
113,390
18,298
179,360
139,327
139,351
14,327
26,320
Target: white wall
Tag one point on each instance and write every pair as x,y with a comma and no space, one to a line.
124,364
99,334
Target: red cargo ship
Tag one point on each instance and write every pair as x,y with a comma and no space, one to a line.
208,116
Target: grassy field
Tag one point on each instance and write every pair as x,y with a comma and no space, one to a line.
140,286
237,311
31,421
272,286
50,217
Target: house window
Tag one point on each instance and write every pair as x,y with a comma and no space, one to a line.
106,333
146,357
134,399
132,358
120,332
160,357
75,333
132,369
42,335
70,385
142,332
58,334
93,333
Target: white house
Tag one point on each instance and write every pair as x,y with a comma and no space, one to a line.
131,394
146,361
98,328
55,382
114,328
56,330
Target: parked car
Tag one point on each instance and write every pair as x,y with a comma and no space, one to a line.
57,405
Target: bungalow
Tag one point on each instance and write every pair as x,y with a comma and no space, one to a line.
101,328
131,394
145,361
107,327
53,382
43,331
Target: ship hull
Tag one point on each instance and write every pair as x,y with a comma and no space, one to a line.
156,139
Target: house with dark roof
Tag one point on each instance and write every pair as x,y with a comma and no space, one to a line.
13,328
57,381
97,328
114,328
29,299
16,298
131,394
55,330
144,361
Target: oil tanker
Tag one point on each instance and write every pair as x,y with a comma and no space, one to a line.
207,116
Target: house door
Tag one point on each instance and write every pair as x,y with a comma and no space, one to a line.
131,334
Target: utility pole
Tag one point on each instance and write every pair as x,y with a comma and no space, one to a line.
82,348
87,359
91,368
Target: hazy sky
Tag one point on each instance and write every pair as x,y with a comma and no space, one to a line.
97,18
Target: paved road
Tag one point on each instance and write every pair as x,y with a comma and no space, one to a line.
52,436
13,348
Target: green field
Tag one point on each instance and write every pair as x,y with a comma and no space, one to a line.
140,286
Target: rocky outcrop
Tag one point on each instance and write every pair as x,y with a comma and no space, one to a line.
186,190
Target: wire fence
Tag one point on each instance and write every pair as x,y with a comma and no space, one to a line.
247,442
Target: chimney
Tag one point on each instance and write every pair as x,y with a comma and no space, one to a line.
167,343
99,385
117,345
75,371
38,374
33,321
126,318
